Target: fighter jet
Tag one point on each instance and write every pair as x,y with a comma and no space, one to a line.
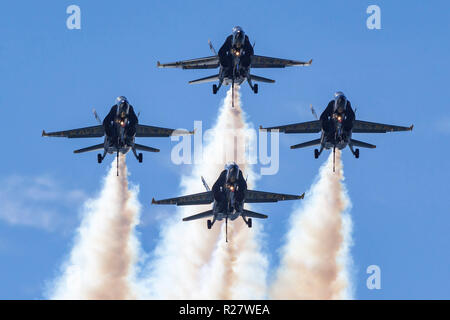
234,60
120,127
337,123
228,195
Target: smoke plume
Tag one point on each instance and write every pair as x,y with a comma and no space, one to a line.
315,259
191,262
101,262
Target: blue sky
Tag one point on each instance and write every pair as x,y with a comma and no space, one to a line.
52,77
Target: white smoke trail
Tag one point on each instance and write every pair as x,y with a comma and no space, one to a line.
192,262
315,260
101,262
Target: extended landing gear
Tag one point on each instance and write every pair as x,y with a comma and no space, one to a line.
101,157
139,156
210,223
254,87
318,152
216,87
355,152
248,221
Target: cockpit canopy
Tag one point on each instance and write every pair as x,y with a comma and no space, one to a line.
123,107
340,102
232,172
238,37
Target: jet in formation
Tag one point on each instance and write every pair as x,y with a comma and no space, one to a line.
234,60
337,123
228,195
119,129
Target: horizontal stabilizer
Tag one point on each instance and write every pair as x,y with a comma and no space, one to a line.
361,144
261,79
251,214
199,216
306,144
93,148
145,148
204,80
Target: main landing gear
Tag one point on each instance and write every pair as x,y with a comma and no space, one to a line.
210,223
139,156
216,87
317,152
254,87
101,157
248,221
355,151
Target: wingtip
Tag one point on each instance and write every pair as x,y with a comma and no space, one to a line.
182,132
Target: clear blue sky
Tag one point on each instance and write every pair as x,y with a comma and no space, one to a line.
52,77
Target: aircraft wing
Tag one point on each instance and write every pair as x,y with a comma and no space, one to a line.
88,132
302,127
372,127
200,63
252,196
150,131
192,199
268,62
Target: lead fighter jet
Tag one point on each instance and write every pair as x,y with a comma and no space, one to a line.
337,123
120,127
228,196
234,60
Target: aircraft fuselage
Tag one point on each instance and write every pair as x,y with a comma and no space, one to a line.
229,207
